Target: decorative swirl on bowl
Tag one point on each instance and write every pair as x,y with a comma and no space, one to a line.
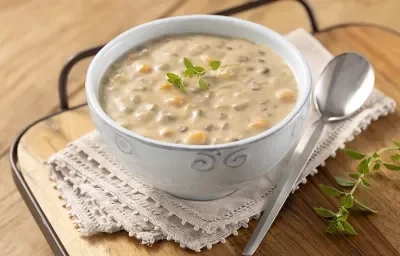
123,145
236,159
203,163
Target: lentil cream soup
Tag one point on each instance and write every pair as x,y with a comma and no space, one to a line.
251,91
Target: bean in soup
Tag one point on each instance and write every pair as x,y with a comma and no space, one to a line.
241,100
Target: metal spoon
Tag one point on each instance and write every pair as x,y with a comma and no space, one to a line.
342,89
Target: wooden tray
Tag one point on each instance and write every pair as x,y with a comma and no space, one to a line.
297,230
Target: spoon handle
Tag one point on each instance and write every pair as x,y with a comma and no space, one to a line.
291,173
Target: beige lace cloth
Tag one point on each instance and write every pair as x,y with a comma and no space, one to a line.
104,197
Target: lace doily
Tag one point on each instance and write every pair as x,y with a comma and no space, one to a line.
104,197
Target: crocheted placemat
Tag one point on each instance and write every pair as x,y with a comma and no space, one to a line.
105,197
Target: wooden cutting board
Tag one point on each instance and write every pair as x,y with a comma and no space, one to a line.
297,230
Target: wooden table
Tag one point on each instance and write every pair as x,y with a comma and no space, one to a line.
297,229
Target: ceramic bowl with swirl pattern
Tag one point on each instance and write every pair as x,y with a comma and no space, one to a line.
199,172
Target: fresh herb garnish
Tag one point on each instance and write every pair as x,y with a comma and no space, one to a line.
194,71
176,81
338,220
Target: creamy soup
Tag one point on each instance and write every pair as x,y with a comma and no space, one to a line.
251,90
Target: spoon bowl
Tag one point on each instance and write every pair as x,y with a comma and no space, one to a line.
344,86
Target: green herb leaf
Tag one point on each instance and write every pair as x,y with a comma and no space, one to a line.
363,167
377,166
344,210
215,64
396,143
339,226
392,167
181,86
203,84
189,72
344,216
354,175
353,154
375,155
330,190
365,183
324,212
347,201
173,77
332,228
198,70
345,182
348,228
187,62
395,157
363,207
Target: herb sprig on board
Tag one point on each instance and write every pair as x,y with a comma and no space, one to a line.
194,71
368,163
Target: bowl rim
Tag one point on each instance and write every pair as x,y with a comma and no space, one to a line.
93,102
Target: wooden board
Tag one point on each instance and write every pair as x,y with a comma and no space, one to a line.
39,36
332,12
297,228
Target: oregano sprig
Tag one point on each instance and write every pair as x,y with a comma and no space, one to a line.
194,71
176,80
368,163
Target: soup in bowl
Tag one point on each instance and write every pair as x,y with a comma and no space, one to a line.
199,105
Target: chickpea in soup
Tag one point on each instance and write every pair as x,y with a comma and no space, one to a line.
252,90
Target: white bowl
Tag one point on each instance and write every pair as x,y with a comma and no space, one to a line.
199,172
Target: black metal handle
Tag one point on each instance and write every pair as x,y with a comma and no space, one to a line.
254,4
311,15
243,7
63,79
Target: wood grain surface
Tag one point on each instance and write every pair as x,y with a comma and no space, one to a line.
297,228
38,36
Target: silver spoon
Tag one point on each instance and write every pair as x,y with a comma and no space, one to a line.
342,89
